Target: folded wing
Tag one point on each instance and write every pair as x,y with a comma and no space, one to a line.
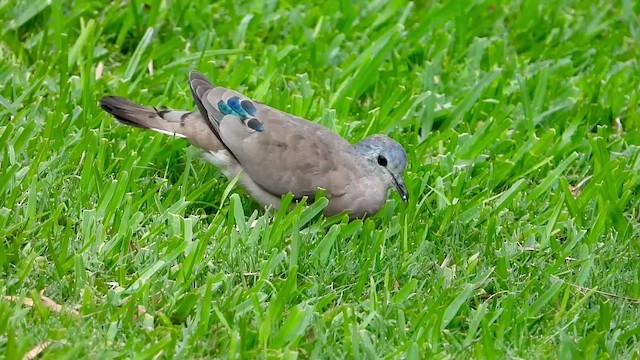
282,153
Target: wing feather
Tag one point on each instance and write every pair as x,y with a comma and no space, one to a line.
287,154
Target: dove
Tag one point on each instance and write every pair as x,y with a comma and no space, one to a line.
273,153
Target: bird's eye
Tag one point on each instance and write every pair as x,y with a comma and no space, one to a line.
382,160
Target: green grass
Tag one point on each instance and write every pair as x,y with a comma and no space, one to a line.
521,240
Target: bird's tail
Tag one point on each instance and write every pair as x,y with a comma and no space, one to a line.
170,122
184,124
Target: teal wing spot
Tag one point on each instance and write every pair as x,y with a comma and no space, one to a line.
234,104
225,109
244,109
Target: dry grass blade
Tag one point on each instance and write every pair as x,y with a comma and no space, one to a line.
577,189
37,350
585,290
46,301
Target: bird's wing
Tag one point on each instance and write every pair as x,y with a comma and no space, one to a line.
282,153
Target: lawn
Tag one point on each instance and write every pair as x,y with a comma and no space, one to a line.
520,240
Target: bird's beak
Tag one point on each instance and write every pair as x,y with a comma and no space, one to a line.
398,182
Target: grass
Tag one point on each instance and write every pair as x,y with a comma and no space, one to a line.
520,118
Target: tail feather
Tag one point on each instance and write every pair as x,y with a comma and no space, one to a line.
185,124
132,114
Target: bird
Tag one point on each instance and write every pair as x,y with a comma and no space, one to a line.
274,153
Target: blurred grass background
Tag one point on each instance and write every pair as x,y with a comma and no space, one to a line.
521,123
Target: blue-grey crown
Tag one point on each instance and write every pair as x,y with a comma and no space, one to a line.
373,146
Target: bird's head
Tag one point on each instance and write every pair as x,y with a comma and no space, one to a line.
387,154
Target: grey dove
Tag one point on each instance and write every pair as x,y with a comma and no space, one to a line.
275,152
